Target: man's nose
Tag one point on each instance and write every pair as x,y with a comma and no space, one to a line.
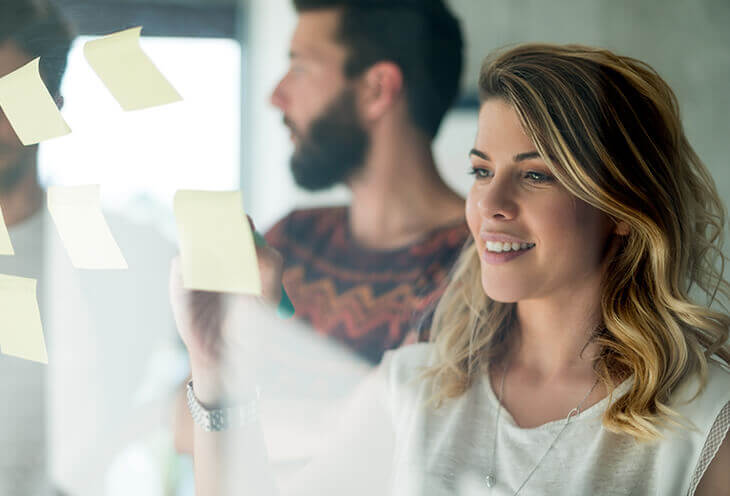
278,98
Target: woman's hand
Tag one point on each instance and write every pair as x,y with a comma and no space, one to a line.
201,318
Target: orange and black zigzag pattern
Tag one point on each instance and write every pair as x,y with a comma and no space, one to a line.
367,300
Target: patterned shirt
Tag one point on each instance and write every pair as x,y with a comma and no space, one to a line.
368,300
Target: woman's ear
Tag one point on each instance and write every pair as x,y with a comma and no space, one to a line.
382,86
618,237
622,229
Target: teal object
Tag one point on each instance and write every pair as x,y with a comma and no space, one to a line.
285,310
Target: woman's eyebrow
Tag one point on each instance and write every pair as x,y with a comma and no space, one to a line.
479,154
526,156
517,158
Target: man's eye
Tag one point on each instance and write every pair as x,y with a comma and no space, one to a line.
538,177
479,172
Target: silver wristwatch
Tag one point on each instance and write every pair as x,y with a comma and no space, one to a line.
221,419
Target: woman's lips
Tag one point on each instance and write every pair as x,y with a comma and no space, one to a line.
496,258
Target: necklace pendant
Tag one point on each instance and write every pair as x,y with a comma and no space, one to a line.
490,480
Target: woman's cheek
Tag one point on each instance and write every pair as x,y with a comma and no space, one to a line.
473,219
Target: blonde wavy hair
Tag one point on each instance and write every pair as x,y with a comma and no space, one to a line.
609,129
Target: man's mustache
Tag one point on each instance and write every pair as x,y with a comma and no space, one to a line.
288,123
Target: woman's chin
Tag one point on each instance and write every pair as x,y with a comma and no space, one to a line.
502,293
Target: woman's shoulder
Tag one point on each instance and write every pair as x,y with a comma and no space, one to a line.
685,453
718,375
403,371
702,405
407,362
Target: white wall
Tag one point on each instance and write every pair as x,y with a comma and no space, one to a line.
455,139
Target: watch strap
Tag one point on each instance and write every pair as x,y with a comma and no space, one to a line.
220,419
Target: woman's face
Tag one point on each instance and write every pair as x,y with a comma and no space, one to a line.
534,239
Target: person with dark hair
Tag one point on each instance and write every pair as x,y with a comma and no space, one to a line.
28,29
368,85
61,416
37,27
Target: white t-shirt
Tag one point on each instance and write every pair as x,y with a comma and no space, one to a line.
449,450
64,421
391,442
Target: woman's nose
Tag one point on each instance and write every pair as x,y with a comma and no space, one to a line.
497,202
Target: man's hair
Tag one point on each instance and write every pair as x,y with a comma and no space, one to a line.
39,30
422,37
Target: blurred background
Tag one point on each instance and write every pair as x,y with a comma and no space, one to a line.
226,56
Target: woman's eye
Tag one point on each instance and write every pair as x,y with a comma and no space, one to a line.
480,172
538,177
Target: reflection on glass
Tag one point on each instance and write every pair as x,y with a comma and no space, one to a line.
141,158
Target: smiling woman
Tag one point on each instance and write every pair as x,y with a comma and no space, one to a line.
582,164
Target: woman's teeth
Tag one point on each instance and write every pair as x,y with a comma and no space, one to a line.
498,246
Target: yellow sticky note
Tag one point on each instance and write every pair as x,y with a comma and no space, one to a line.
128,72
6,247
216,245
21,332
29,107
76,211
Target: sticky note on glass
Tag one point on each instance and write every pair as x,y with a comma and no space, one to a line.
29,107
128,72
216,245
6,247
21,332
76,211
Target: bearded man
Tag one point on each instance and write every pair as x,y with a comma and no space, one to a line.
368,85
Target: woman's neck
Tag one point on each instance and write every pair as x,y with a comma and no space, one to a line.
554,338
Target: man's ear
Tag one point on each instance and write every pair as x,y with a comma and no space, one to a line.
622,229
382,86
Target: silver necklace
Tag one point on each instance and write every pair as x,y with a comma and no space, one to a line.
491,478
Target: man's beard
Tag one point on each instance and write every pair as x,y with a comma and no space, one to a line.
333,149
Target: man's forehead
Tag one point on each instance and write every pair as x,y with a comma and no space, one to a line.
315,34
